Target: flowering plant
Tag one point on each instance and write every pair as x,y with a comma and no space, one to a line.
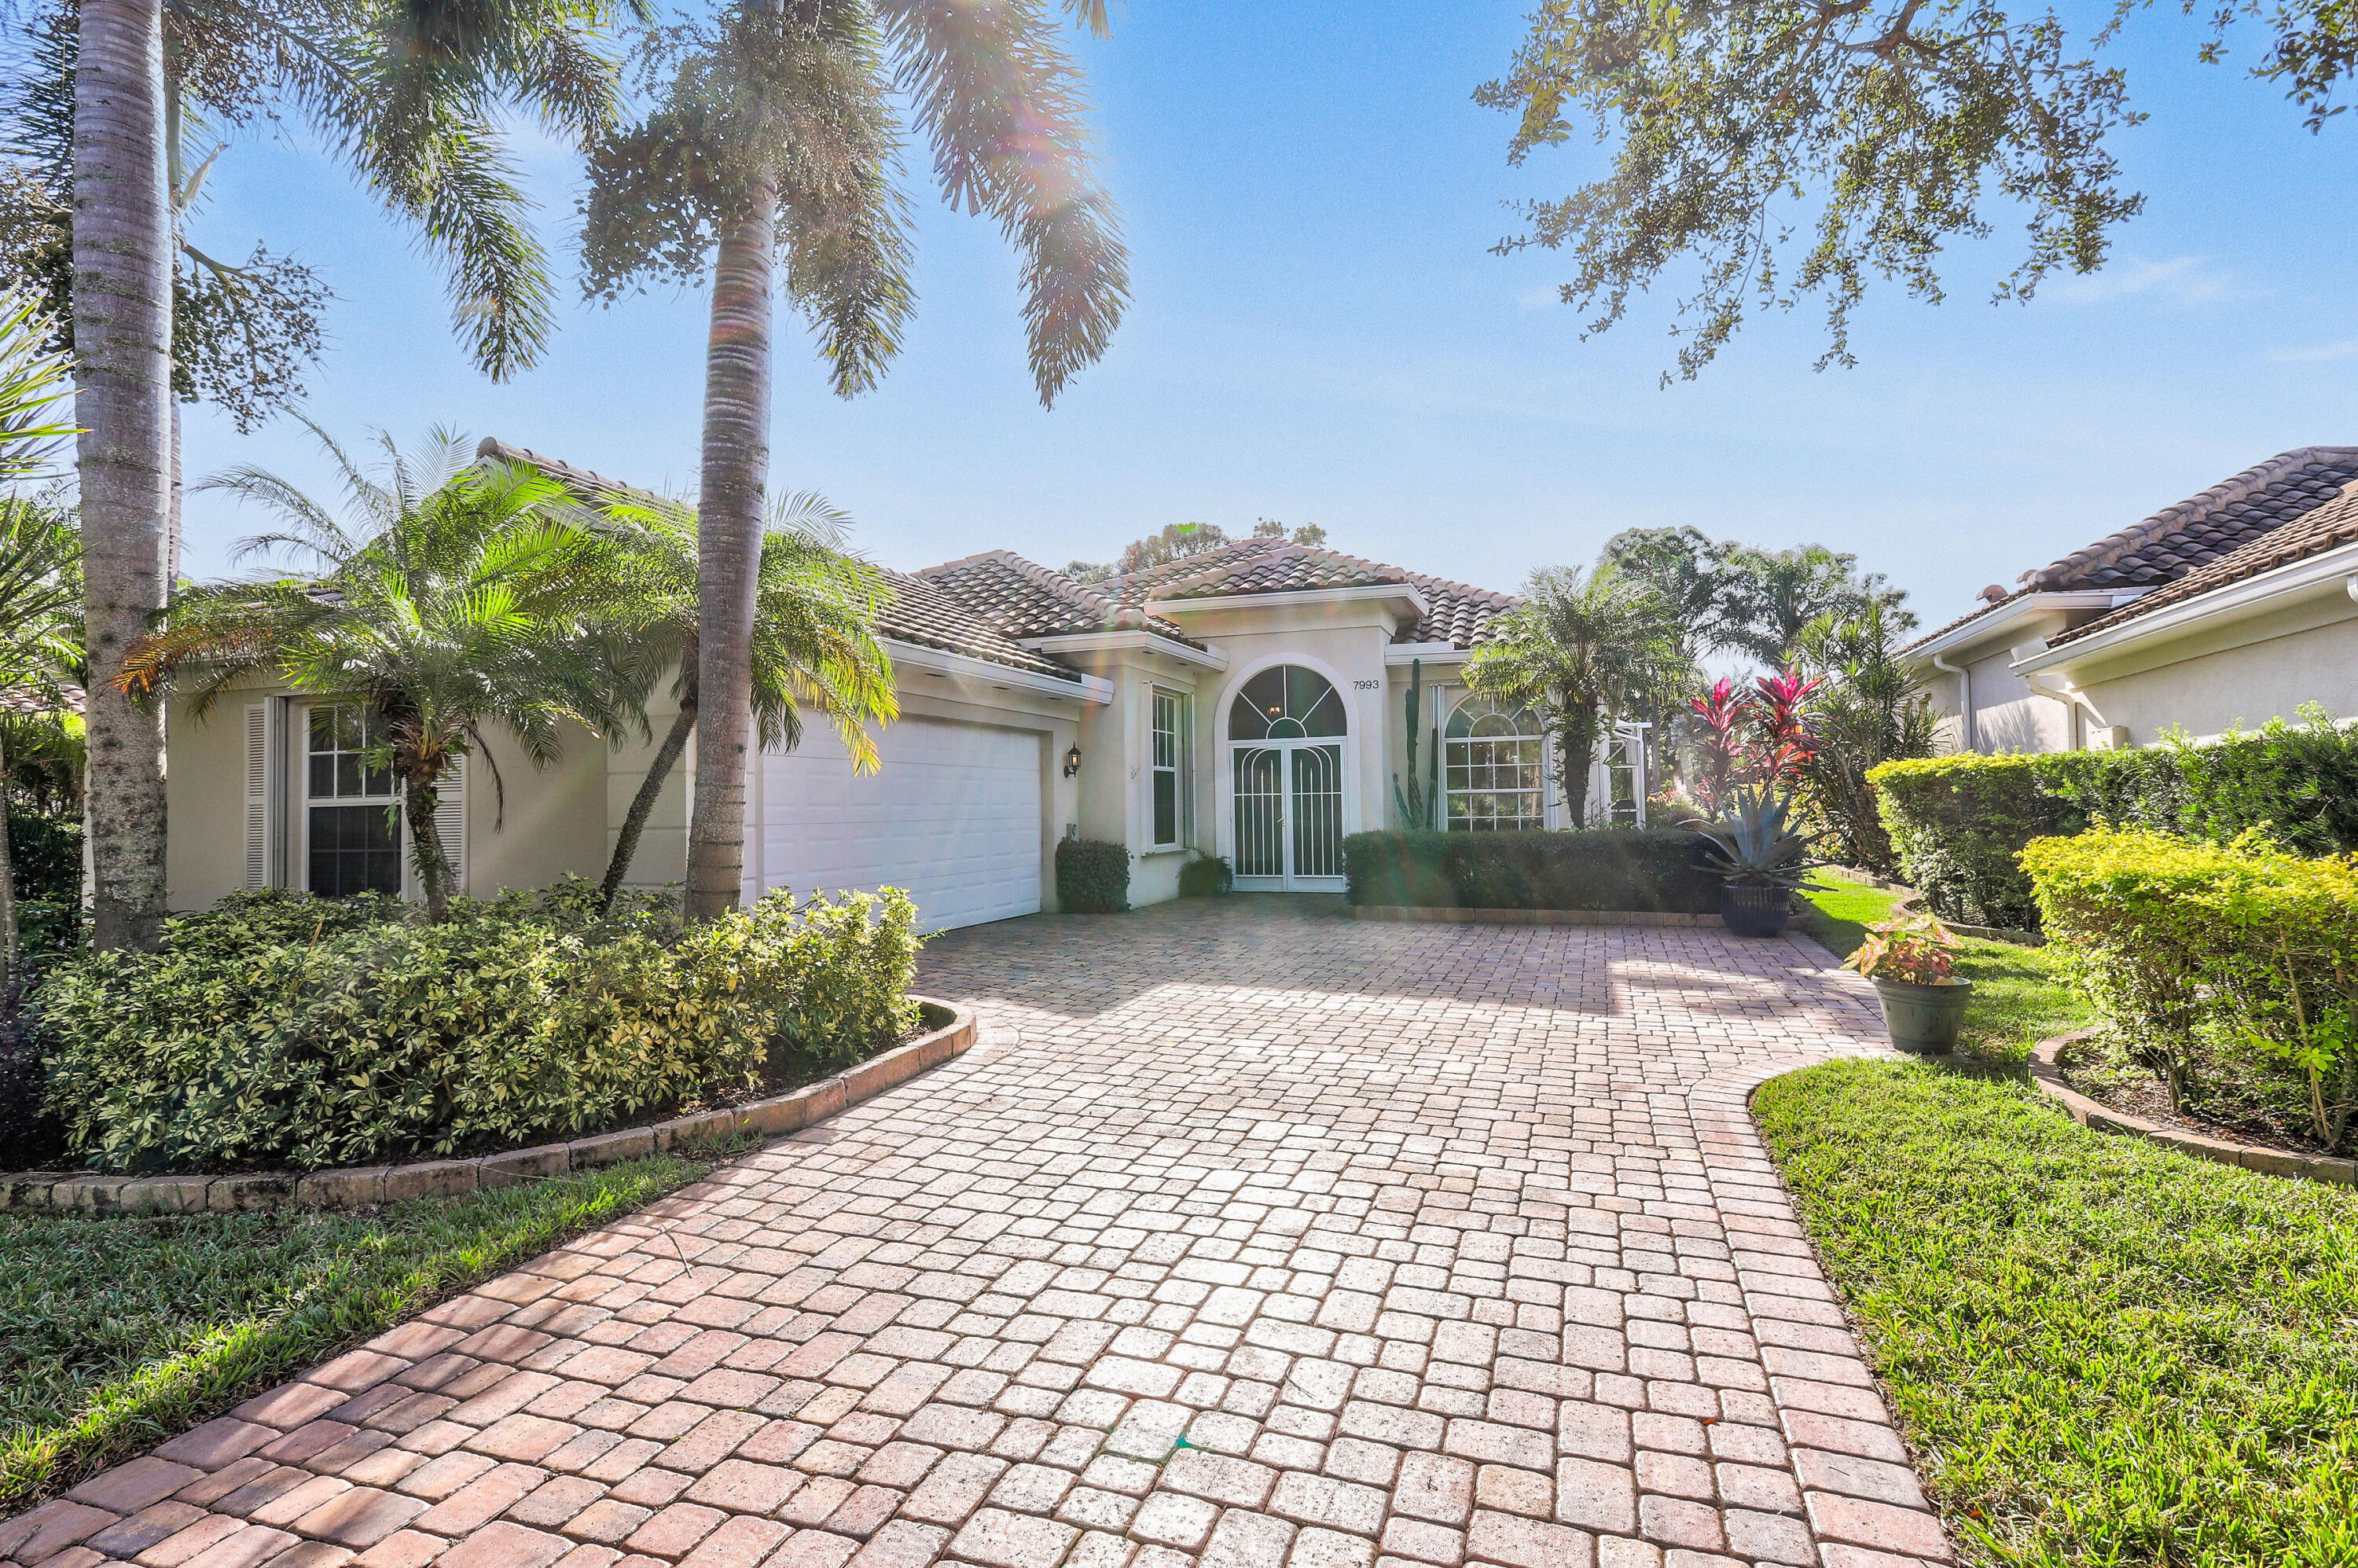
1917,950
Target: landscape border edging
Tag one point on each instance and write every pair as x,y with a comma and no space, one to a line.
1451,914
2088,1112
364,1186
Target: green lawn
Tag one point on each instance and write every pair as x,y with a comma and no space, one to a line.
116,1334
2110,1352
2019,996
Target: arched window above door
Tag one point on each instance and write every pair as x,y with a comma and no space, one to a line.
1286,702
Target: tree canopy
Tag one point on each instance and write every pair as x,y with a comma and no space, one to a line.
1793,147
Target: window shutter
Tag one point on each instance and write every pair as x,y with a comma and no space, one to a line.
258,794
451,820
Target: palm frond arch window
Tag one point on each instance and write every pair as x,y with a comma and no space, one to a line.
1494,767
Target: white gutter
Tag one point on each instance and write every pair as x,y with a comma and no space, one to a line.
964,667
1964,697
2234,601
1982,627
1397,591
1149,642
1433,652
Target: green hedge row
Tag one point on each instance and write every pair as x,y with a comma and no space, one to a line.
1092,877
1651,870
279,1028
1958,824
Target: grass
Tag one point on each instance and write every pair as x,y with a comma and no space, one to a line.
117,1334
2019,994
2110,1352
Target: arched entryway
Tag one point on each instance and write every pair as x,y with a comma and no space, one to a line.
1285,759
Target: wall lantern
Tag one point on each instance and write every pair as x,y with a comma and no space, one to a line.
1073,762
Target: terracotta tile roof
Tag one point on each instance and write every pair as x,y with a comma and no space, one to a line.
919,612
1136,588
2183,538
2192,535
1285,569
1025,599
30,700
1456,614
2326,527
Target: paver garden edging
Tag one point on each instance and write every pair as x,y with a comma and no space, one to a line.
2092,1113
365,1185
1453,915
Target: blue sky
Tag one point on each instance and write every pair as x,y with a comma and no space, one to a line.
1318,334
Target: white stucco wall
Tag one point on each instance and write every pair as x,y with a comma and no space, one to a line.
2244,674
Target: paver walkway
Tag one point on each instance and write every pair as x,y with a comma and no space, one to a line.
1248,1235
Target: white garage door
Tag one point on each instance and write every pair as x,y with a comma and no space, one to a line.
954,818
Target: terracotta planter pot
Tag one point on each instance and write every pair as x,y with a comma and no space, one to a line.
1756,911
1923,1018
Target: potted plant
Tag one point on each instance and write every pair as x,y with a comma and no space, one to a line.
1912,964
1760,860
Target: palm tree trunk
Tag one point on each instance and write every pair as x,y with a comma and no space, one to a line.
122,336
736,471
425,852
1575,748
643,805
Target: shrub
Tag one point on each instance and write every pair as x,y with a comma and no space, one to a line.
1957,823
1092,877
281,1029
30,1135
46,854
1646,870
2232,969
1207,876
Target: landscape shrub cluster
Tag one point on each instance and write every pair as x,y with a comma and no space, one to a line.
280,1029
1652,869
1092,877
2230,970
1959,822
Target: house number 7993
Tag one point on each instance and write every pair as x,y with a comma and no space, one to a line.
1367,686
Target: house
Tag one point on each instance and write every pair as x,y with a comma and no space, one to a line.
1247,702
2231,608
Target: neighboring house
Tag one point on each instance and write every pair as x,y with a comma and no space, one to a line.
2233,608
1246,702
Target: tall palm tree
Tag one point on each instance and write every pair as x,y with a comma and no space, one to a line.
1576,647
409,94
814,637
461,596
775,131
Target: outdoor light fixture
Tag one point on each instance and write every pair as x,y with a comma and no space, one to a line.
1072,761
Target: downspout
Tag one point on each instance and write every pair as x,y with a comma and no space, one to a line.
2070,696
1964,698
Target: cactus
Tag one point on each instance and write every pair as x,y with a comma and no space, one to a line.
1419,804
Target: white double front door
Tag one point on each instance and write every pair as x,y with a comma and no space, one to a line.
1289,814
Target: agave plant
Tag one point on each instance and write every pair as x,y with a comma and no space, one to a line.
1752,843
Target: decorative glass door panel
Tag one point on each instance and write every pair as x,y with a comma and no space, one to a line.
1317,836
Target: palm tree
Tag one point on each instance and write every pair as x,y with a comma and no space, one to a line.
1576,647
409,96
1872,710
814,637
775,130
1770,595
462,597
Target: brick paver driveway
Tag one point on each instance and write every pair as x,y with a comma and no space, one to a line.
1249,1234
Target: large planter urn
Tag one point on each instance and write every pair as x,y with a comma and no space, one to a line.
1923,1016
1755,911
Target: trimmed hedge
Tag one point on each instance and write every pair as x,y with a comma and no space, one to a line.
2230,970
279,1028
1958,823
1092,877
1654,870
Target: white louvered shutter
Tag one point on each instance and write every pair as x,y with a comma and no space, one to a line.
258,794
451,820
